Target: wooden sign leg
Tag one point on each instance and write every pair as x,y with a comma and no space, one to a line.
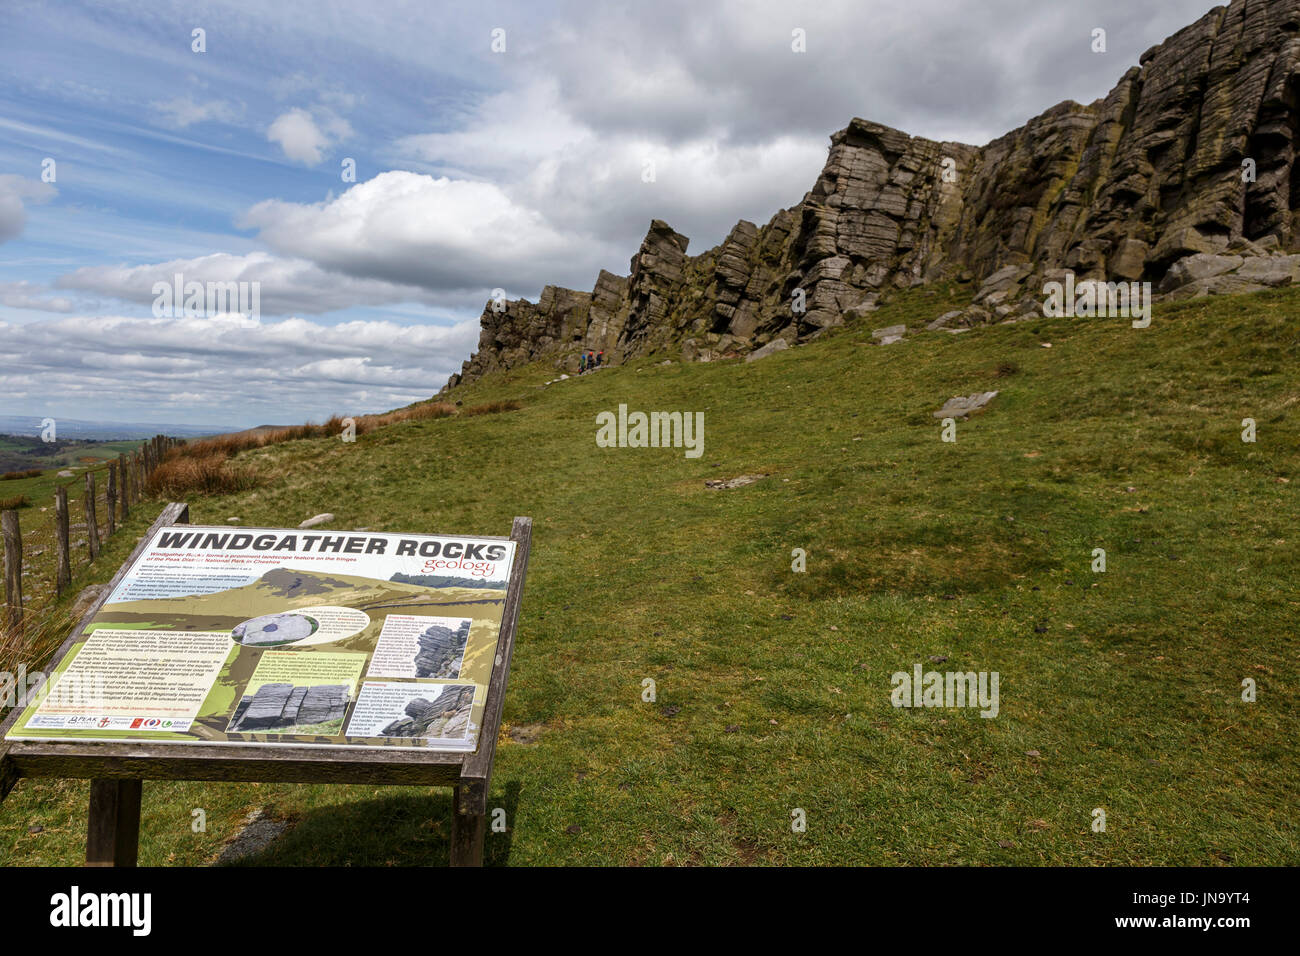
113,830
466,834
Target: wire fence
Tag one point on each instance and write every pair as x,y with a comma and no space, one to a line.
42,559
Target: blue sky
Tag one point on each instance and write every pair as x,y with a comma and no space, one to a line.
475,168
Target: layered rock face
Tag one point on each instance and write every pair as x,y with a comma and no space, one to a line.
445,716
279,706
440,650
1191,154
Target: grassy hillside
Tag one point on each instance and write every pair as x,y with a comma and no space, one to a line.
1119,690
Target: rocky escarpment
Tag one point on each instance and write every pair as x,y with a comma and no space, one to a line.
1191,155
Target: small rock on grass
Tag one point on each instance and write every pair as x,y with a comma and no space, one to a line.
317,519
726,484
960,406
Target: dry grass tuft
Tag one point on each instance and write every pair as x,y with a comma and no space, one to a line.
491,408
212,474
204,467
32,644
230,445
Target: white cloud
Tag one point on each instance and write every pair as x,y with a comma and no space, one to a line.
14,192
305,136
285,372
27,295
287,286
563,201
587,182
438,233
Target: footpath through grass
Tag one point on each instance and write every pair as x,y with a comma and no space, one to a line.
1119,690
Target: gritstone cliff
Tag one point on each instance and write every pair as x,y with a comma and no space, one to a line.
1147,183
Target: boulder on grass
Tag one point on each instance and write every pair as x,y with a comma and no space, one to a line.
1200,266
961,406
889,335
776,345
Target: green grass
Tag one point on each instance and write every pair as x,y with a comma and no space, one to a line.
774,687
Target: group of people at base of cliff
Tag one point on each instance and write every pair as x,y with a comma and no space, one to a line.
589,361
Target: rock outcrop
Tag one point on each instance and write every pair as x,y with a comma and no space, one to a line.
1192,154
278,707
440,650
445,716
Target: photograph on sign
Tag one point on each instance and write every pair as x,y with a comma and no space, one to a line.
264,636
414,646
435,712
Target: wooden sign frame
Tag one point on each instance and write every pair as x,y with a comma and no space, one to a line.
117,770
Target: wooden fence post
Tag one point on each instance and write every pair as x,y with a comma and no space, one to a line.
110,496
64,575
92,523
123,474
13,569
113,823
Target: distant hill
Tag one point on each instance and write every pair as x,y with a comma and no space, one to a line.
24,452
30,426
444,581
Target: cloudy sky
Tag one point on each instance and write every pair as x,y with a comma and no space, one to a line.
379,168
